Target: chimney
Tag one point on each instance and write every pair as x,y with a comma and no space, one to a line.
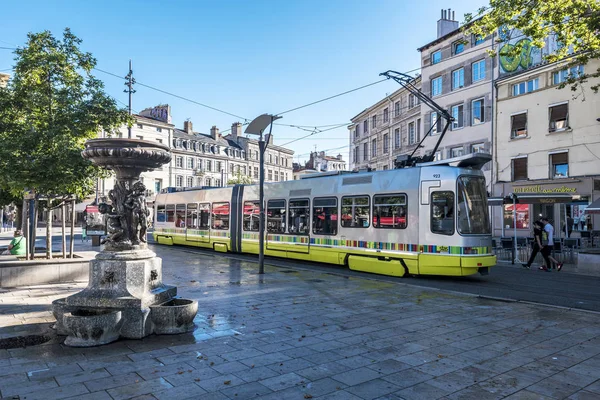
187,127
446,24
339,157
214,133
236,130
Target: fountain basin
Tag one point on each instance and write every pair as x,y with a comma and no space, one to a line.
59,309
174,316
87,328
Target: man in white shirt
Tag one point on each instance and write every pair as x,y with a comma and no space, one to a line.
548,245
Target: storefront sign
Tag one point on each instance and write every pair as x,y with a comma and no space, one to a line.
541,189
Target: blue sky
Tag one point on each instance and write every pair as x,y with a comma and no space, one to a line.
244,57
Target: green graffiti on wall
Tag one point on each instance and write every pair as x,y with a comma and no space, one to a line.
524,59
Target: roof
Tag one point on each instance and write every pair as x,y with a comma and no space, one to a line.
271,146
201,137
446,36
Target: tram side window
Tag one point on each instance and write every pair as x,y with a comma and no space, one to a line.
220,216
191,216
442,213
251,215
180,215
325,216
389,211
161,213
276,216
299,216
203,215
355,212
170,212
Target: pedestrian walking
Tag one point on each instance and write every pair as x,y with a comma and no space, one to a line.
548,245
538,228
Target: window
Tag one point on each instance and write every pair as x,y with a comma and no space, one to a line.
190,181
436,57
456,152
180,216
472,215
559,164
559,117
457,114
518,125
442,213
437,156
356,134
209,165
477,112
478,70
562,76
374,121
355,154
271,158
217,166
198,181
170,212
276,216
157,185
191,216
355,211
208,182
365,151
251,216
299,216
519,169
243,172
522,214
270,175
256,172
389,211
478,39
478,148
386,115
418,126
204,215
412,139
199,164
276,160
231,167
435,123
190,163
386,143
366,126
374,148
325,216
397,109
276,176
158,129
397,138
526,87
458,47
220,216
436,86
179,162
161,214
217,182
458,78
179,181
413,101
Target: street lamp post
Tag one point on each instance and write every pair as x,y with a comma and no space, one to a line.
257,127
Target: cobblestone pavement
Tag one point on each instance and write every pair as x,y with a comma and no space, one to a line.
298,334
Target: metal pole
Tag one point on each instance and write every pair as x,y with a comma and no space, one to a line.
566,227
32,228
130,82
516,257
261,197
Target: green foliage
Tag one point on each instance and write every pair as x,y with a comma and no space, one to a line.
50,108
574,24
240,179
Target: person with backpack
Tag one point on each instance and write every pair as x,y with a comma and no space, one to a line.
537,243
548,245
18,246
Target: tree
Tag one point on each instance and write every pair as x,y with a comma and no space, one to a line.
573,24
49,109
240,179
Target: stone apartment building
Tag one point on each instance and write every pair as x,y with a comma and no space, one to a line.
321,162
380,133
457,73
546,141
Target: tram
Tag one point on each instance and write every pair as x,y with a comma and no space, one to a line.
431,219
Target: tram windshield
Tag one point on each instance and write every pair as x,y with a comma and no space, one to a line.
473,218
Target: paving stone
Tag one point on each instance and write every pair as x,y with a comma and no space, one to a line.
322,371
164,370
387,367
552,387
94,396
112,382
290,366
422,391
54,371
372,389
583,395
407,378
247,391
82,376
357,376
188,391
22,389
139,389
150,354
281,382
265,359
184,377
220,383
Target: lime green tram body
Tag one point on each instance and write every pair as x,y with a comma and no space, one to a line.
428,220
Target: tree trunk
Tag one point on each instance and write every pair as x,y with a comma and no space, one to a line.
73,214
49,232
63,231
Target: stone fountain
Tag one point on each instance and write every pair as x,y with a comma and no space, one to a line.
125,296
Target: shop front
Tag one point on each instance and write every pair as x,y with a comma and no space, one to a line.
564,203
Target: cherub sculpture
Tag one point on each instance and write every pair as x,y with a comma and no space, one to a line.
136,202
115,230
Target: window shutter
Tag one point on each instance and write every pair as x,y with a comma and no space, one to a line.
560,158
519,169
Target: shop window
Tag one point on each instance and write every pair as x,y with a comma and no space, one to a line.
251,216
355,212
442,213
220,216
559,164
299,216
559,117
389,211
276,216
519,169
518,125
522,216
325,216
180,216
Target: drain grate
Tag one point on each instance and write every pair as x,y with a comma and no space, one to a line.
23,341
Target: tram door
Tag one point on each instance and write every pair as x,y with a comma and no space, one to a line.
197,218
298,238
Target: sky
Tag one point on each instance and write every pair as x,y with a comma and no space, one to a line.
244,57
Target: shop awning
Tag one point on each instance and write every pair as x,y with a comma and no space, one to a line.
593,208
533,198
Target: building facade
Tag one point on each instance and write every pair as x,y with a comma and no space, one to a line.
382,132
546,141
457,73
321,162
4,79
